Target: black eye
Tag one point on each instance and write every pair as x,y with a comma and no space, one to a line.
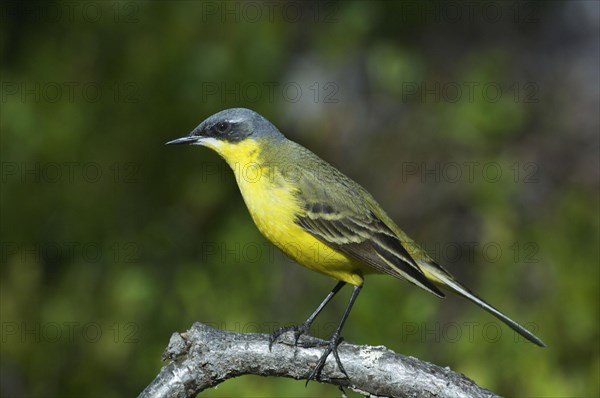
223,127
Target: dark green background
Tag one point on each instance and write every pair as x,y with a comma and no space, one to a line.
112,241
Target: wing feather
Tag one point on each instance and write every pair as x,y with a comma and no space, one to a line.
367,239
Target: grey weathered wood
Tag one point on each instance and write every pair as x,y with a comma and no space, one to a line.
203,357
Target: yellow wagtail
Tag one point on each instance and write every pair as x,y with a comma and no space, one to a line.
319,217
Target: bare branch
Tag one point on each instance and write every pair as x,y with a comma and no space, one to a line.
204,357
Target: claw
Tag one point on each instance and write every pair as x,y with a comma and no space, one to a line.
335,340
332,347
299,330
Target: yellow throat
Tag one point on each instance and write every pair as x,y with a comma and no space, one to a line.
273,204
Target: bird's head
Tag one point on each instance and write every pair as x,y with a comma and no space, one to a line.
231,133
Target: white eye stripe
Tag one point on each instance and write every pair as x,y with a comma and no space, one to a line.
209,142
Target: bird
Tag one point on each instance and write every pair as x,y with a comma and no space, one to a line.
321,219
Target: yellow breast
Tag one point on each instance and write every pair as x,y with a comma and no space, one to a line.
273,205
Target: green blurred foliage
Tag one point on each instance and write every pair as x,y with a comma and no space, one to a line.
112,241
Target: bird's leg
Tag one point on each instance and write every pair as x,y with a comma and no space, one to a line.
334,341
305,327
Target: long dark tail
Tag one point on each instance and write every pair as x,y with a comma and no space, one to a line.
439,275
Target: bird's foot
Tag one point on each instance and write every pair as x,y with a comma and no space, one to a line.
332,347
299,330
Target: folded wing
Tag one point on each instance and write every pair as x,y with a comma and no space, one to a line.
364,237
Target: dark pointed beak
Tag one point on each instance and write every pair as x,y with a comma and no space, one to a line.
183,140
